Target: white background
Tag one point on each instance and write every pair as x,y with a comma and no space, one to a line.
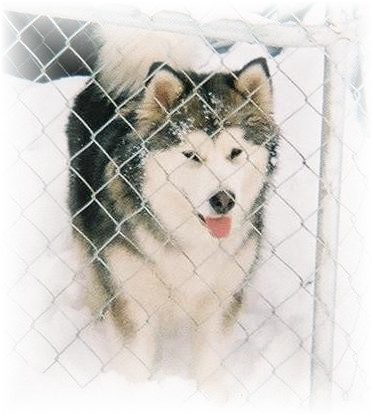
107,395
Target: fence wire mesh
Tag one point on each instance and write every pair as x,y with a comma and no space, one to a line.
54,330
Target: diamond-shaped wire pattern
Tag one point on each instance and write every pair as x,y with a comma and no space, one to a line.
54,327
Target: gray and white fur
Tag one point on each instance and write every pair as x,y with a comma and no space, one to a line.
168,179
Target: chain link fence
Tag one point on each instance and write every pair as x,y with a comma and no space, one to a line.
299,334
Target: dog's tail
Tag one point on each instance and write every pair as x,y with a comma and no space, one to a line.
127,54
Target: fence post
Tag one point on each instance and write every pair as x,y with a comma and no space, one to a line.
328,221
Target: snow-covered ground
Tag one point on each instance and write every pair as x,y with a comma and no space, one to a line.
53,341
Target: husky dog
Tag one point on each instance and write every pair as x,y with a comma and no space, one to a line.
168,178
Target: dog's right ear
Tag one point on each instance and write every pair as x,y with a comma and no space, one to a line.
162,90
254,82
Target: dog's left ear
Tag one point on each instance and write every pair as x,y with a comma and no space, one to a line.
162,90
254,81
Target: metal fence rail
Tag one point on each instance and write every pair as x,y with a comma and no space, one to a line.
292,321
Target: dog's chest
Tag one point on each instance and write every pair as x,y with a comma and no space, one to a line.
197,281
200,288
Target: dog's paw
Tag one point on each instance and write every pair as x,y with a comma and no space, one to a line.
222,387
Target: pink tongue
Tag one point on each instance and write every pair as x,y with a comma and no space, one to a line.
219,227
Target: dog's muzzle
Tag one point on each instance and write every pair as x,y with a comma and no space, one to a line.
222,202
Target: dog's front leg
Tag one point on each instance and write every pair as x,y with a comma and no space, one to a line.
134,351
211,347
143,348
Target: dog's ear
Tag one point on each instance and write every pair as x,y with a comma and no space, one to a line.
163,87
254,82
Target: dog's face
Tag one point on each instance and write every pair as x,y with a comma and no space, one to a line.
204,184
208,149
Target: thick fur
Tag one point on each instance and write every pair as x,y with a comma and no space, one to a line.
137,200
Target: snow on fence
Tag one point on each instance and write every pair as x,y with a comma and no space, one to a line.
296,337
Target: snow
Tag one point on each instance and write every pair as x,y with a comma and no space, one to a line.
45,297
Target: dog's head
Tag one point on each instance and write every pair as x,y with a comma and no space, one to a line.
210,143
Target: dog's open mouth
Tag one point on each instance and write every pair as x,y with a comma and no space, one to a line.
218,227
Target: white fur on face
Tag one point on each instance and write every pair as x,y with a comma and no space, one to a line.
179,188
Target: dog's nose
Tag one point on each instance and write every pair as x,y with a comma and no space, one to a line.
222,202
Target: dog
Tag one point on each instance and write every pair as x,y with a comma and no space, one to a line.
169,172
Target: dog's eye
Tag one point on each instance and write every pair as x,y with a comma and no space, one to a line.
235,153
192,156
